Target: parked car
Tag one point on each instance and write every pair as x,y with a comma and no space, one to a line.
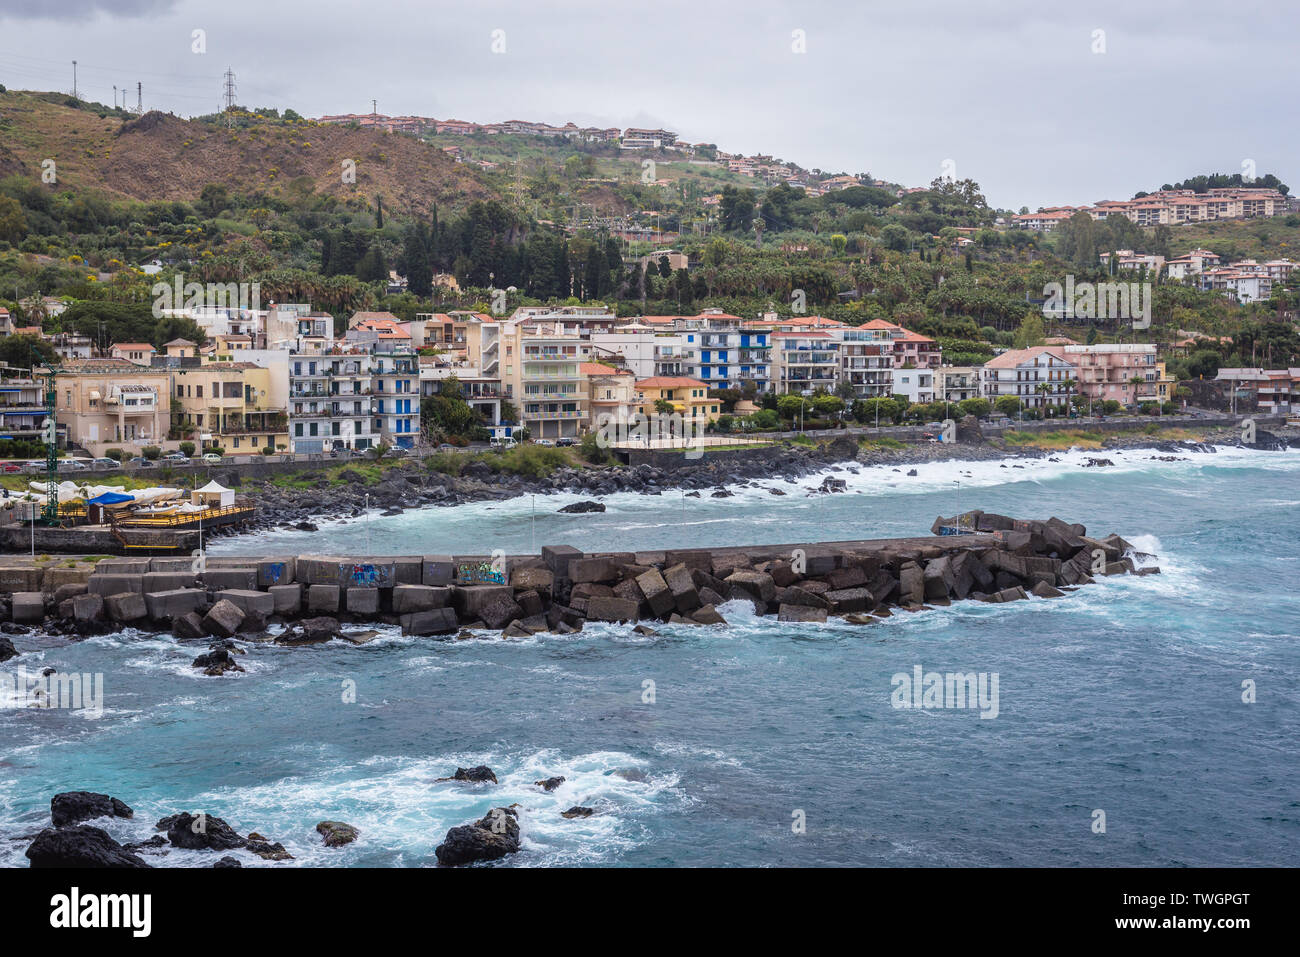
500,442
566,442
397,450
446,447
547,442
74,465
105,464
34,466
211,458
141,462
13,467
176,458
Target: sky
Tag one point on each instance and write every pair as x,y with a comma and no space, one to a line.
1041,102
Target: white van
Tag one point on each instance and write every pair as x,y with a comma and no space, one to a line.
503,442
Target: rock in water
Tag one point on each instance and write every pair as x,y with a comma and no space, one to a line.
583,507
550,784
7,649
336,833
81,846
228,862
577,811
200,832
489,839
478,775
73,807
217,662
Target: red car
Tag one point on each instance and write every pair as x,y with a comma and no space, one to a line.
13,467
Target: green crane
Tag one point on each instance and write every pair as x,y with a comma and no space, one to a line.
50,433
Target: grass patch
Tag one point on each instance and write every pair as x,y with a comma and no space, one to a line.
1054,440
885,442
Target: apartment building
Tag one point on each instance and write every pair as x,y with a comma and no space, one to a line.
330,403
237,406
394,376
917,385
112,402
1038,376
956,383
804,362
866,364
906,347
726,358
1275,391
611,393
645,351
1130,373
22,405
542,374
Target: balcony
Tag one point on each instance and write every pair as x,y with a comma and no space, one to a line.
554,415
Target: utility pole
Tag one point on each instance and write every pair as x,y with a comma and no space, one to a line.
139,97
74,79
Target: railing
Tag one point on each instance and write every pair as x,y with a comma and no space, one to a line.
186,518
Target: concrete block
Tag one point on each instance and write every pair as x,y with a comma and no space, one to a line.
481,570
28,606
58,576
412,598
439,621
438,570
287,599
318,569
221,579
470,600
114,584
363,601
223,619
656,592
601,569
367,573
171,564
601,608
408,570
276,571
322,599
250,601
167,581
123,566
18,578
558,558
88,607
167,605
126,607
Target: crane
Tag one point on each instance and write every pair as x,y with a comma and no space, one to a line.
50,433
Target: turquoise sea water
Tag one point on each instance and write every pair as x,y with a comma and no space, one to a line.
1125,697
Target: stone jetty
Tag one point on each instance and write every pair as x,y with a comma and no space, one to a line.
974,556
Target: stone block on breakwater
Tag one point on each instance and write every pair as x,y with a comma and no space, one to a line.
28,607
363,601
220,579
166,581
174,603
287,599
19,579
112,583
438,570
323,599
127,607
412,598
250,601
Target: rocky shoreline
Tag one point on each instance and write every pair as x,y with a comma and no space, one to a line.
409,485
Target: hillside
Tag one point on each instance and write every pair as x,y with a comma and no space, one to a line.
161,156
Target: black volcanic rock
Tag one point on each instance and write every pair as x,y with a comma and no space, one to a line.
73,807
81,846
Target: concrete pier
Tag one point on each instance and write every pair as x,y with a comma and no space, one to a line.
976,556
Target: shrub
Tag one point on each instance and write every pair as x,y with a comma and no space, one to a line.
268,450
187,449
151,452
591,449
116,455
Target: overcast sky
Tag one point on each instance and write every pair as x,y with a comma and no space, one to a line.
1013,93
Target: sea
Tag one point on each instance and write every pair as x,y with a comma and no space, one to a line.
1140,721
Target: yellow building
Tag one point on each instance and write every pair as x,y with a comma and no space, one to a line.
232,405
689,397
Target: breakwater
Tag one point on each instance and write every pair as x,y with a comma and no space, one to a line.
973,556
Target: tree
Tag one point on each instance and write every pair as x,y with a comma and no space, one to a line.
13,225
1007,404
1031,331
1203,364
23,351
213,199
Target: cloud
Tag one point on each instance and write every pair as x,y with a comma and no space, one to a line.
80,9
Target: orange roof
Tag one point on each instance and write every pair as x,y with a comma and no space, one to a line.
135,346
669,382
1014,357
387,328
599,368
